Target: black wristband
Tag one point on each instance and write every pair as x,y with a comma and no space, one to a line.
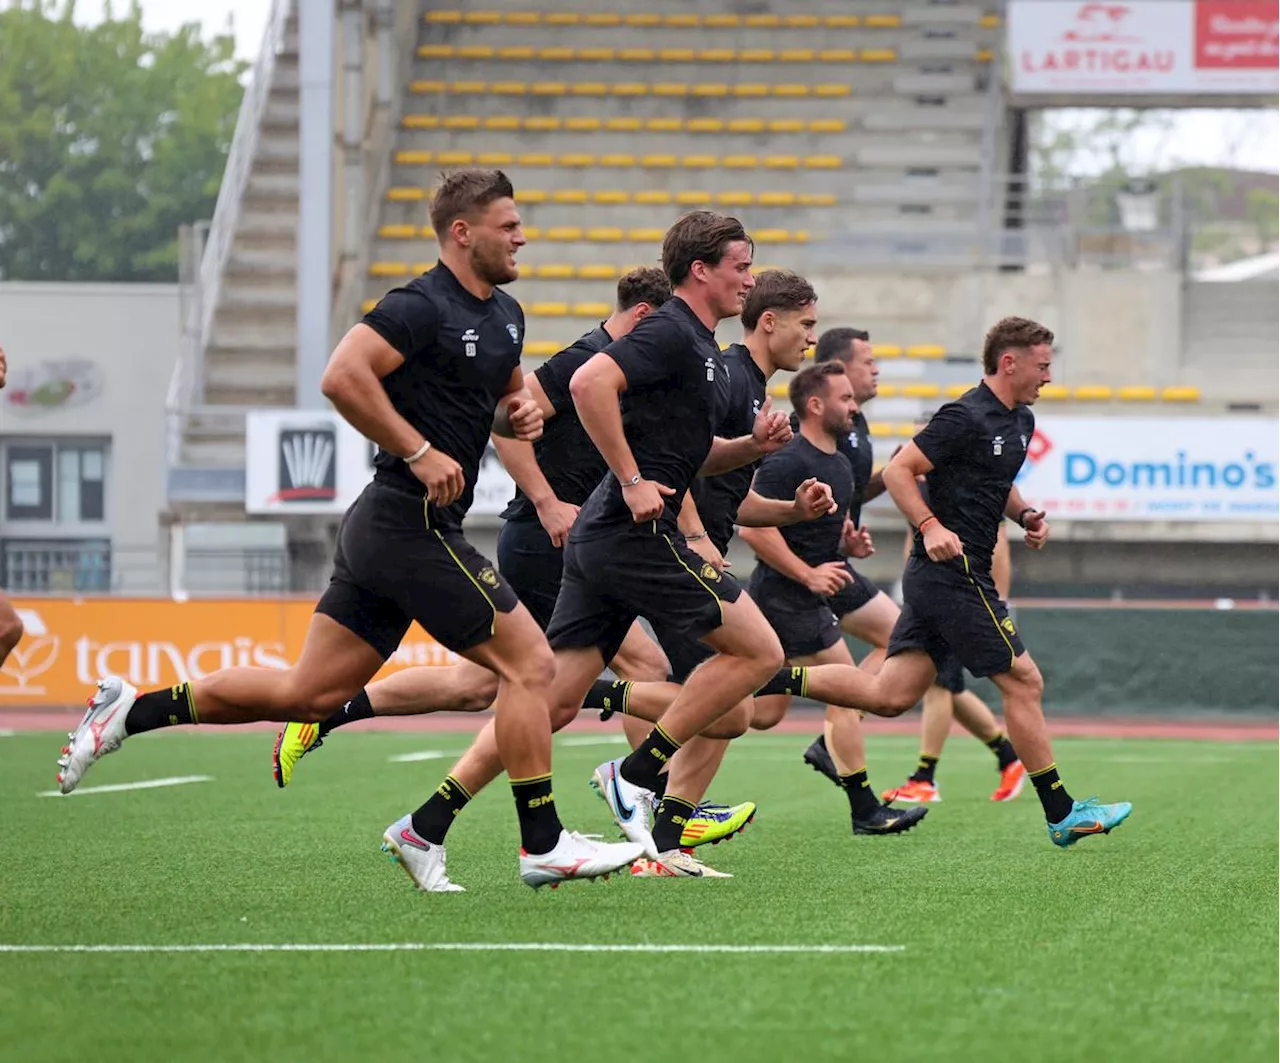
1022,513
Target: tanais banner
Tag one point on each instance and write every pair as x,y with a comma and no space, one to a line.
1154,469
69,643
313,461
1144,47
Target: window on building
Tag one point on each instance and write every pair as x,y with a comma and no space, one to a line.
53,566
55,482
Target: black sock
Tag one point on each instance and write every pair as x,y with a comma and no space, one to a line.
1053,795
646,762
668,826
786,681
536,808
925,769
432,821
609,696
861,798
659,786
358,708
162,708
1003,749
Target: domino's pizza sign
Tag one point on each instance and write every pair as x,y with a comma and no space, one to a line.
1149,469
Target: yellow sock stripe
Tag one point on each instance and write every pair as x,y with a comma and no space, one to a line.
452,781
626,698
804,682
990,612
658,727
1044,771
535,778
676,554
669,799
191,703
493,623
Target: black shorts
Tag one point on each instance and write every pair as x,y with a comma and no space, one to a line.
391,568
853,596
529,561
610,581
951,674
803,620
950,609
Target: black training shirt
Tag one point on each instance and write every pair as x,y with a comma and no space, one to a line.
718,497
815,542
857,448
977,446
459,353
677,392
568,459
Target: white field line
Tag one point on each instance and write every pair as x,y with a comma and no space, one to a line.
464,946
413,758
594,740
115,788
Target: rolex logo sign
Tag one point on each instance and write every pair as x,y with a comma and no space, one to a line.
308,470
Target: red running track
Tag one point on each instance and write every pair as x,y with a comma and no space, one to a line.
799,721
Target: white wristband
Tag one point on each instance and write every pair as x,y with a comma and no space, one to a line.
426,445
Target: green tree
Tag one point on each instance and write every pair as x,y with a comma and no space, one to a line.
110,138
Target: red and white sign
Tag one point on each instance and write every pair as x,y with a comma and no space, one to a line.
1144,47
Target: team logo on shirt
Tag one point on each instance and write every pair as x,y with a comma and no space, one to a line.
853,440
1007,624
513,332
470,338
709,572
711,369
488,576
997,446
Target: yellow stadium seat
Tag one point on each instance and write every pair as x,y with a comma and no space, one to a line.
926,350
596,55
837,55
605,234
646,236
548,88
461,121
887,391
653,197
541,349
532,232
883,21
630,88
554,272
388,269
499,88
827,125
412,158
443,16
421,267
752,55
603,18
633,55
692,199
773,236
886,350
406,195
505,122
530,195
570,195
1137,394
661,125
518,52
472,51
471,86
368,305
642,20
776,199
710,89
670,88
921,391
989,22
1180,395
762,21
624,125
547,309
878,55
801,21
576,160
397,232
786,125
797,55
494,158
420,121
746,125
564,233
983,55
1055,392
1091,393
610,197
739,162
816,199
582,125
454,158
880,429
589,88
522,18
834,89
562,18
787,89
735,199
681,20
597,273
750,90
721,21
657,161
717,55
954,391
699,162
841,22
701,125
536,158
823,162
592,309
617,160
423,87
904,430
482,17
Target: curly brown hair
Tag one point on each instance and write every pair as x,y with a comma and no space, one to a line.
1012,334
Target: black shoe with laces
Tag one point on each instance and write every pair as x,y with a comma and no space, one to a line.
886,820
819,759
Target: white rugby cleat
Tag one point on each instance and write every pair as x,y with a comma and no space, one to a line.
422,860
99,733
632,806
576,856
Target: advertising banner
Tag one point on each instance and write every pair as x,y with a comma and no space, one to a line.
1144,47
1146,469
312,461
68,644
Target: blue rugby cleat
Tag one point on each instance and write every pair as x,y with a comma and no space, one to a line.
1088,817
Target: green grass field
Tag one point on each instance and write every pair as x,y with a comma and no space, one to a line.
1156,943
